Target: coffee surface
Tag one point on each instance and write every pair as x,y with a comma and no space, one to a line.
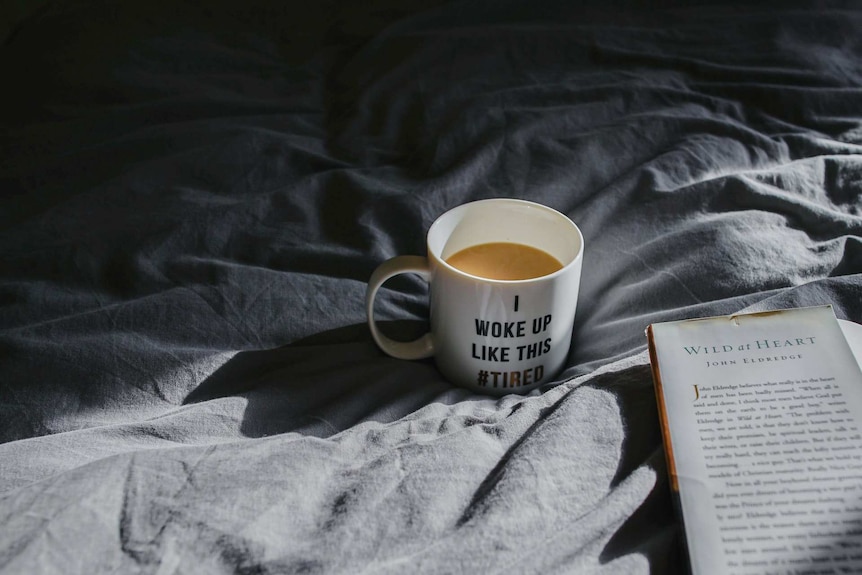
504,261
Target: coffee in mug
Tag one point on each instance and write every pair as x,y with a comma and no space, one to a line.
504,261
504,277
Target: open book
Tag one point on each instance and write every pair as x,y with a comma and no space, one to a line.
762,422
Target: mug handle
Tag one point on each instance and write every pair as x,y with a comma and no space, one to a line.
417,349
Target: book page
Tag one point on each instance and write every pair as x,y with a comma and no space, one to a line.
765,424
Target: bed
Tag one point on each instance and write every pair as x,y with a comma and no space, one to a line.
194,196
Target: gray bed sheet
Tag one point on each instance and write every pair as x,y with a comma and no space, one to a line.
193,197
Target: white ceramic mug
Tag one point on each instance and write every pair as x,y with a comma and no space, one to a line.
492,336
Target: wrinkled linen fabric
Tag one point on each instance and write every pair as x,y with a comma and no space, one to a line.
194,197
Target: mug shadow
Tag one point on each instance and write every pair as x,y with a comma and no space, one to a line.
325,383
330,381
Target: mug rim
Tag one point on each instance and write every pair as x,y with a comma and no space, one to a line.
438,258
